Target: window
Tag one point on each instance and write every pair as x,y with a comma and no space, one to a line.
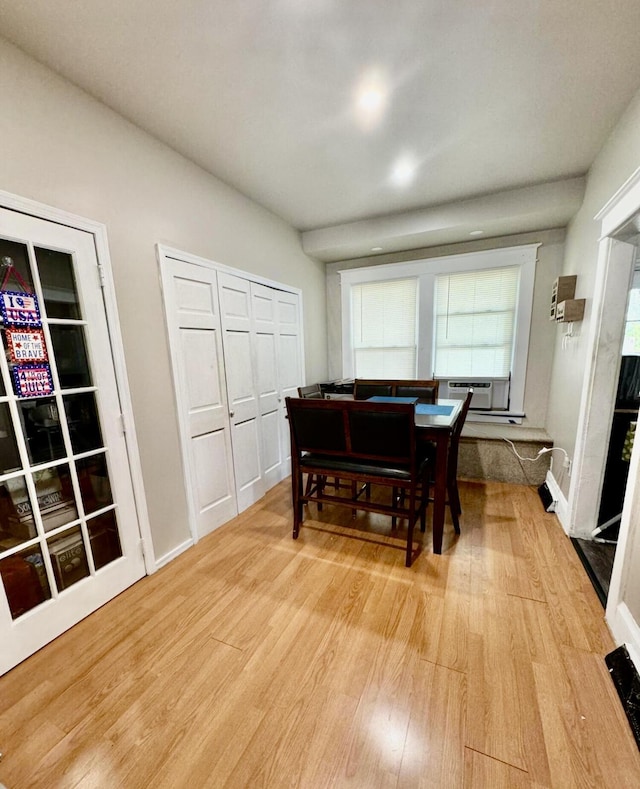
461,316
475,315
383,316
631,341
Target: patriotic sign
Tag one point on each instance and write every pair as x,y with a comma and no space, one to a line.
25,342
26,345
33,380
20,309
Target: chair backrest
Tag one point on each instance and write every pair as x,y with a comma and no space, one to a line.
316,426
313,391
352,429
364,389
382,432
425,391
462,416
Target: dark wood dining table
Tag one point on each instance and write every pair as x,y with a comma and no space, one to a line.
434,422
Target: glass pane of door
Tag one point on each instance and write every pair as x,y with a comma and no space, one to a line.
51,494
61,507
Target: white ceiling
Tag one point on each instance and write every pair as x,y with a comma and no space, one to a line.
484,95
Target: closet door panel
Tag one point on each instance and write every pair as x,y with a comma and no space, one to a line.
238,361
234,294
247,464
267,372
193,318
205,403
271,449
265,332
210,452
290,367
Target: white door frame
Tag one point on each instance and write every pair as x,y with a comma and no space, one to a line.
99,233
164,255
615,263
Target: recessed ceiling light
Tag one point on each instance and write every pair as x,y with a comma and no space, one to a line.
376,249
404,171
371,98
476,232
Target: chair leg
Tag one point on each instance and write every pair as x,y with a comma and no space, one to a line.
410,524
298,509
454,497
456,522
424,494
395,500
454,505
309,484
321,482
424,503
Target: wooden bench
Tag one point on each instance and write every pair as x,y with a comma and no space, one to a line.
366,443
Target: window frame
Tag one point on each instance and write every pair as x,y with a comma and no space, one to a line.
425,270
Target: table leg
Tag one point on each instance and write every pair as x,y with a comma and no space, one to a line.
440,491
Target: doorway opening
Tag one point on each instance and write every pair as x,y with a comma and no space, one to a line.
597,551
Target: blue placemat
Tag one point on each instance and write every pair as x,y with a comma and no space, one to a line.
434,410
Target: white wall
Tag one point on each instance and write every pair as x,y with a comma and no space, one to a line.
550,256
60,147
615,163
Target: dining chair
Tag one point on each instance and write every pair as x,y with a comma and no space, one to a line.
425,390
314,392
452,463
311,392
453,495
363,389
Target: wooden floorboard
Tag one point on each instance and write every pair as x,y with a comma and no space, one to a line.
253,660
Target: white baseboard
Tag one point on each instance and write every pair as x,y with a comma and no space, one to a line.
561,503
625,630
174,553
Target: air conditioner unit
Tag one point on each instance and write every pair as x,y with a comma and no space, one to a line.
482,392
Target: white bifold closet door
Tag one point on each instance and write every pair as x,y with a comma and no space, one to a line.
259,362
290,362
235,306
195,332
264,308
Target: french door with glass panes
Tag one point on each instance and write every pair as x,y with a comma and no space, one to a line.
69,534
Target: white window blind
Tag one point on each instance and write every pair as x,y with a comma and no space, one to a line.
475,314
384,328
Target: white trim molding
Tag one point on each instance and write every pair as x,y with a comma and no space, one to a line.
561,508
174,553
621,206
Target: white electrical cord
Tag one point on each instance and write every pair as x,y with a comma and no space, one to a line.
540,453
567,336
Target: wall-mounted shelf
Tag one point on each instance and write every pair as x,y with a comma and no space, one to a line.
564,289
570,310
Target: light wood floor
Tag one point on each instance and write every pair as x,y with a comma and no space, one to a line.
256,661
